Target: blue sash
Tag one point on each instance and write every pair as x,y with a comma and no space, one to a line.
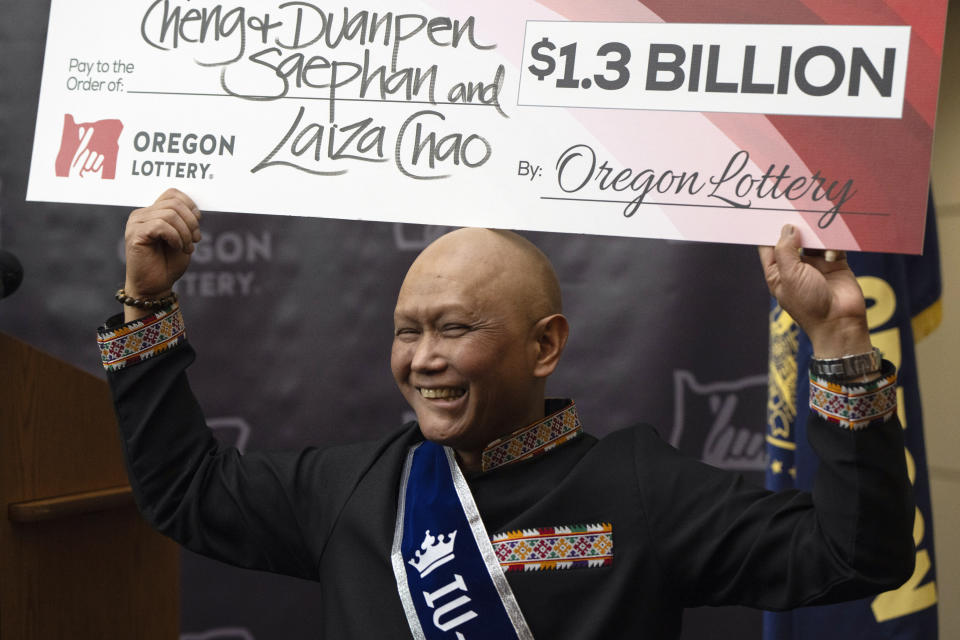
448,576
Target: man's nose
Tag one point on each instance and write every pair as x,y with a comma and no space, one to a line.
427,355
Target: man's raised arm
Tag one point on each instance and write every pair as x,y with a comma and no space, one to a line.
246,509
729,543
861,492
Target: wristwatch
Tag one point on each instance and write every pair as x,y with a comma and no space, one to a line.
853,366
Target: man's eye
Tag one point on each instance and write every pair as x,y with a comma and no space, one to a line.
454,330
405,332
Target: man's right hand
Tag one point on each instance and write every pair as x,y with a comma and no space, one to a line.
159,240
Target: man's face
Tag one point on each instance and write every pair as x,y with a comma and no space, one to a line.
463,355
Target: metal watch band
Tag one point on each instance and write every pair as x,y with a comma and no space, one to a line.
846,367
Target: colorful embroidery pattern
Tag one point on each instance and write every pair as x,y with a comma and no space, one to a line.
549,548
141,339
855,406
554,430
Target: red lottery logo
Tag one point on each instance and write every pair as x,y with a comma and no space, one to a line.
89,149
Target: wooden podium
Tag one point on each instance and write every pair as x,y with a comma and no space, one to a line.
76,559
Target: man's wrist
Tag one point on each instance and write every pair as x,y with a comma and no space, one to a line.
135,292
842,339
132,313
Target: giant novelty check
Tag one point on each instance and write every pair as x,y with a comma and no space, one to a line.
700,120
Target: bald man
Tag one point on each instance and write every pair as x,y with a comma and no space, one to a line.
478,328
494,515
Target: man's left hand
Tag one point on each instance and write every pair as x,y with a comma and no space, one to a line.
822,297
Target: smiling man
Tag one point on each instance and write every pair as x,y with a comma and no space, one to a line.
494,515
478,328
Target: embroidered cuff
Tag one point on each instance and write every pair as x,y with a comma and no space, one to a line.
138,340
855,406
555,547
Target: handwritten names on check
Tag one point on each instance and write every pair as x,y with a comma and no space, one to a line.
340,57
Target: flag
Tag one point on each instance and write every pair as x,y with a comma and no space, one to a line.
903,306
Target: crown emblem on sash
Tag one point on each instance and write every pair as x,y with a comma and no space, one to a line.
434,552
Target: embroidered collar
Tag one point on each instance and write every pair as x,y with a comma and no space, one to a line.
560,426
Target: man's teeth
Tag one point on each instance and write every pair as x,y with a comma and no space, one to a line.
443,392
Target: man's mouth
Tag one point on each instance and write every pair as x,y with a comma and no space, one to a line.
441,393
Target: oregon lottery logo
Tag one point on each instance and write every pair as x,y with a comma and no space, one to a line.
716,414
89,149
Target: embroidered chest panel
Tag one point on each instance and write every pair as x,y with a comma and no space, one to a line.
549,548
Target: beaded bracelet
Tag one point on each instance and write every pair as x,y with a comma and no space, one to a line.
150,304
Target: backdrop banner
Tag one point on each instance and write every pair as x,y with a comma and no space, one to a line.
697,120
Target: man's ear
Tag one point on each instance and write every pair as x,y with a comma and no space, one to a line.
551,335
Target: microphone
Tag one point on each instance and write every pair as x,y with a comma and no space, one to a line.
11,273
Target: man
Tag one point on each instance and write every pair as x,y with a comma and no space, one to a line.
520,525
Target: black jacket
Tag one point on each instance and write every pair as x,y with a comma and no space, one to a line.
685,534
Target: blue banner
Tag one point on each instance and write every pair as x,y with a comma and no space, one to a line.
450,581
